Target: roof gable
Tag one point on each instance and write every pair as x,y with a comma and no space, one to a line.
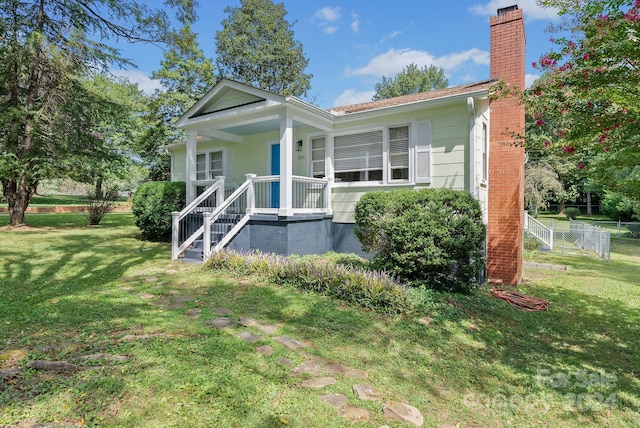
225,95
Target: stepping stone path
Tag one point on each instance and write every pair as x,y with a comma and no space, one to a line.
365,391
59,366
403,412
334,400
318,382
245,336
220,323
289,342
314,366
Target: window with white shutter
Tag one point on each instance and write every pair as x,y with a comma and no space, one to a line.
399,153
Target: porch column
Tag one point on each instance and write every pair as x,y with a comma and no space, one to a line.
190,171
286,165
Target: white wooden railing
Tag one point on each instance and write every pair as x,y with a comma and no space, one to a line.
539,230
257,195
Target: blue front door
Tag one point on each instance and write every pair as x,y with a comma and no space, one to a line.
275,170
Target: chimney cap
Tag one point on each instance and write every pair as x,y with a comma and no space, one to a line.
505,10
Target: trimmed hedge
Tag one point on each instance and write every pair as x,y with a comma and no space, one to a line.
432,237
152,205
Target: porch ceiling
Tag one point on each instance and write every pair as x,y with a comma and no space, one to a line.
243,130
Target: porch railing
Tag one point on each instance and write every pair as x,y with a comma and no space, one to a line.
216,219
539,230
188,225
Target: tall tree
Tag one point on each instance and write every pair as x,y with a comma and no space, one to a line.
257,46
588,101
411,80
186,75
47,115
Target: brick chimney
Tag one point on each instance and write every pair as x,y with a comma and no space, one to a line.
506,161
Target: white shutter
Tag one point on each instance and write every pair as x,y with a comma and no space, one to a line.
423,152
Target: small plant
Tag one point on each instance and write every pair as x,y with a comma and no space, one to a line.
370,289
153,204
98,204
531,243
572,213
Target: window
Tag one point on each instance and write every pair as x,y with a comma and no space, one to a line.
317,157
358,157
399,153
209,165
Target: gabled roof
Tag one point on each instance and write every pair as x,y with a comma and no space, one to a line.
414,98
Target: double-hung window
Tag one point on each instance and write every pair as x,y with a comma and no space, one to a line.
318,147
209,165
358,157
399,153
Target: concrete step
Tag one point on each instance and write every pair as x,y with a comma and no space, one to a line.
193,254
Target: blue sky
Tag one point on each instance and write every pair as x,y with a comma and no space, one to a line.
352,43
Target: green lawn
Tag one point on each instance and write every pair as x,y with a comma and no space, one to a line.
68,291
57,200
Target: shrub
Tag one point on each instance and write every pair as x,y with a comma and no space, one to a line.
572,212
98,204
369,289
152,205
618,207
433,237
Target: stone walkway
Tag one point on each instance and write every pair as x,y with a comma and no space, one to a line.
315,372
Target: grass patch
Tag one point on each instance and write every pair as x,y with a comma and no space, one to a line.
57,200
70,292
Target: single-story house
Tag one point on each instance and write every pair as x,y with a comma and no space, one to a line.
276,173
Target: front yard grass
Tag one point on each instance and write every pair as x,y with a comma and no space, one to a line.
68,291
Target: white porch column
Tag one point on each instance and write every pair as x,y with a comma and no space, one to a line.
190,171
286,165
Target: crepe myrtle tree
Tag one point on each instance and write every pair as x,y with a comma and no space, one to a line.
585,106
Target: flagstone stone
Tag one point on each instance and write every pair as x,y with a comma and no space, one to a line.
147,296
219,310
337,368
245,336
334,400
247,321
289,342
268,328
425,320
285,361
152,279
403,412
193,313
265,350
220,322
364,391
355,413
318,382
173,306
60,366
308,367
10,373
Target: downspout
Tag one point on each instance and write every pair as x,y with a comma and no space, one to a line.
472,146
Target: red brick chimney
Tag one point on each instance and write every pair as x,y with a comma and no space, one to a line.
506,161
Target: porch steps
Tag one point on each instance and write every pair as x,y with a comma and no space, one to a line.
219,229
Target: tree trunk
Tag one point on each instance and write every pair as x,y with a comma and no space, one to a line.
18,195
561,207
99,192
589,209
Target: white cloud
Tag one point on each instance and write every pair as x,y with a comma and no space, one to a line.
351,96
394,60
532,11
355,24
529,79
145,83
390,36
330,29
328,14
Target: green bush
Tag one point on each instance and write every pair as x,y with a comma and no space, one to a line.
618,207
432,237
571,212
152,205
322,274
